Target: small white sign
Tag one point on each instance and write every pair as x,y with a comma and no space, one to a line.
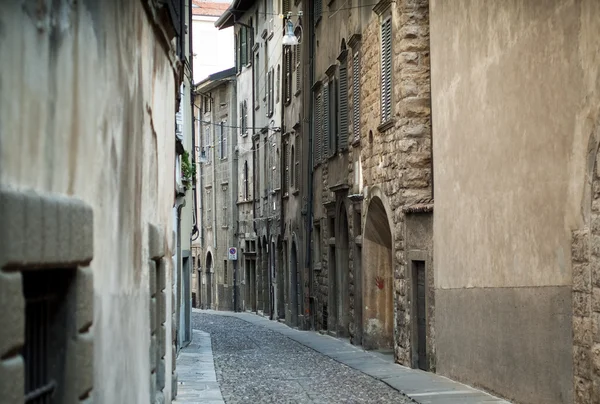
232,254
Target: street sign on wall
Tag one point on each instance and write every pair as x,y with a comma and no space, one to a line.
232,254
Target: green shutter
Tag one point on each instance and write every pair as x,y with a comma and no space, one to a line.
386,70
326,125
356,96
343,107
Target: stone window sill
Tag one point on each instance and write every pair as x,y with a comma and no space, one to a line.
386,125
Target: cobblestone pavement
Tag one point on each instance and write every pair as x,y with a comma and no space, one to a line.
256,365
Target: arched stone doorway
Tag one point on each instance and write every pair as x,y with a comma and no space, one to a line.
295,285
378,279
342,275
209,265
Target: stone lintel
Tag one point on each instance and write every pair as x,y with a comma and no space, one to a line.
339,187
331,69
382,6
355,40
343,56
43,230
356,197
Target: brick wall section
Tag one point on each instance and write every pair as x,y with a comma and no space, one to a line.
398,159
585,254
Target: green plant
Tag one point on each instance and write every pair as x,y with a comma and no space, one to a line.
188,170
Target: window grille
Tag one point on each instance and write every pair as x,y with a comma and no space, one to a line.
318,10
45,333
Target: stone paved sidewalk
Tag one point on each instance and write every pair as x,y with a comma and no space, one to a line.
195,367
422,387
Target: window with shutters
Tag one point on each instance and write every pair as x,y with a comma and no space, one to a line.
244,46
356,96
286,167
225,218
296,162
318,10
285,6
287,55
250,35
386,70
277,85
236,56
331,127
292,168
343,105
207,143
317,128
325,122
246,181
270,92
222,140
297,63
257,80
244,118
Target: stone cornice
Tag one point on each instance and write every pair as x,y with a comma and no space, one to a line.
382,6
355,40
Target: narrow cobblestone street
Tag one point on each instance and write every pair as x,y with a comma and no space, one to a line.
257,365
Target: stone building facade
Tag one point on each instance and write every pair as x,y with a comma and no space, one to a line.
217,184
373,180
86,195
258,64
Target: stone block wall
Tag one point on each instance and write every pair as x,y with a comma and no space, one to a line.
43,234
396,157
585,254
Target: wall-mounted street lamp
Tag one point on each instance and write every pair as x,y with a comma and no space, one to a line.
290,39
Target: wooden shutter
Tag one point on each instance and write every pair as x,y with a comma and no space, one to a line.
219,140
271,93
318,9
286,167
285,6
386,70
244,46
236,55
343,106
298,70
288,74
326,128
318,129
296,162
356,96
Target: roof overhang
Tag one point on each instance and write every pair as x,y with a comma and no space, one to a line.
214,80
233,13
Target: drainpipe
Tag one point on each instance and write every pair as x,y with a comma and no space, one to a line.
234,193
309,214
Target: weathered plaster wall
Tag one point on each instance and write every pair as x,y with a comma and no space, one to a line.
87,110
516,90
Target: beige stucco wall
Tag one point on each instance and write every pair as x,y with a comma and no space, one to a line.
87,110
516,90
515,100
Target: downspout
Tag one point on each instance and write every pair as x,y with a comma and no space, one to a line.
309,214
193,105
